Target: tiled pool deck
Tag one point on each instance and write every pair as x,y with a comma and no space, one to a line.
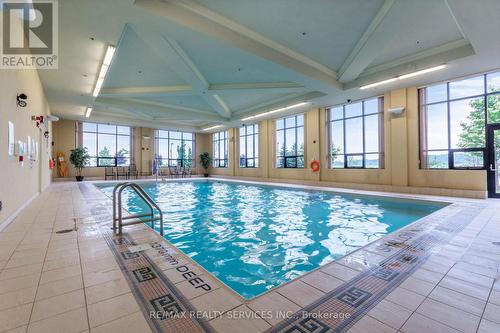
440,274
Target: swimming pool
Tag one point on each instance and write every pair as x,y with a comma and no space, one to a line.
256,237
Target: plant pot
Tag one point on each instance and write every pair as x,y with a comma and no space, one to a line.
205,175
79,178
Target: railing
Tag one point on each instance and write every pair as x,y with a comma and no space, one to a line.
138,218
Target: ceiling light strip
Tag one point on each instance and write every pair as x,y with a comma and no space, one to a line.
211,128
104,69
89,111
274,111
403,77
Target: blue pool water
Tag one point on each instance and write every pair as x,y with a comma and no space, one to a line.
255,237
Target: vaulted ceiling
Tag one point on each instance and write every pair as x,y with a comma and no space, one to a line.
189,64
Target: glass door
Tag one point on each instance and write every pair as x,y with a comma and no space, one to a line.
493,166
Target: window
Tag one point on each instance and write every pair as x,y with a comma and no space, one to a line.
108,145
220,149
249,146
175,148
453,119
290,142
356,135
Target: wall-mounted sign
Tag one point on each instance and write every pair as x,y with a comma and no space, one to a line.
11,139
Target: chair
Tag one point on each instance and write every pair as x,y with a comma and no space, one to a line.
109,172
162,172
121,172
173,172
132,171
187,172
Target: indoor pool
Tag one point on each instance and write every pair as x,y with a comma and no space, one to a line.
256,237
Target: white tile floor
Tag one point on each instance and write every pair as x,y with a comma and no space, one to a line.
71,282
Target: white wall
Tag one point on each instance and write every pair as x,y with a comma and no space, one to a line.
19,183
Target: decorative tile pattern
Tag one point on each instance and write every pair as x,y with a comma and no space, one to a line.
144,274
341,308
163,305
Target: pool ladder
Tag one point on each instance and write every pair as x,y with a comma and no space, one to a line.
118,217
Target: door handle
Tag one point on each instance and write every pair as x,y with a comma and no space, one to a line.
492,168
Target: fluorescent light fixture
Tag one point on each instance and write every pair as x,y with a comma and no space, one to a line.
89,111
274,111
379,83
423,71
211,128
404,76
108,57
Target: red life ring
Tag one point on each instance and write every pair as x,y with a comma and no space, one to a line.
314,166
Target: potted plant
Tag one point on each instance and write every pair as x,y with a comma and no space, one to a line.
205,161
79,158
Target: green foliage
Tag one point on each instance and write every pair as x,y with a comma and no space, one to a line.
205,160
185,155
79,158
472,133
106,153
121,157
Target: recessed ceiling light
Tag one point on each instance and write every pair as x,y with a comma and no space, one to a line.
89,111
404,76
108,58
274,111
379,83
211,128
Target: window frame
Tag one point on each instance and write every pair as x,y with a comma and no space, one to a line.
290,157
116,135
254,137
169,159
381,131
423,164
216,162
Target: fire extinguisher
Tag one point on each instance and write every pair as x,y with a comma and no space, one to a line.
51,163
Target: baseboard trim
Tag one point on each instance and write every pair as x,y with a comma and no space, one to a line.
11,218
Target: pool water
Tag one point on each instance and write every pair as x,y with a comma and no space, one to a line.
256,237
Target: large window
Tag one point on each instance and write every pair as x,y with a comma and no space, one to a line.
175,148
220,149
453,119
249,146
290,142
356,135
108,145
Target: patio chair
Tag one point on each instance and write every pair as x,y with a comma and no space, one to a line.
173,172
187,172
109,173
121,172
132,171
163,172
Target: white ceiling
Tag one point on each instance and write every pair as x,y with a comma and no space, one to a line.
192,64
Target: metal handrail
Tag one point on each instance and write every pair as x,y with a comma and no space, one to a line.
117,208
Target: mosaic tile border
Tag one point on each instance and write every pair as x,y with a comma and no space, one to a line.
340,309
164,306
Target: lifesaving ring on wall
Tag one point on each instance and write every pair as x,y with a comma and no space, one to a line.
314,166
